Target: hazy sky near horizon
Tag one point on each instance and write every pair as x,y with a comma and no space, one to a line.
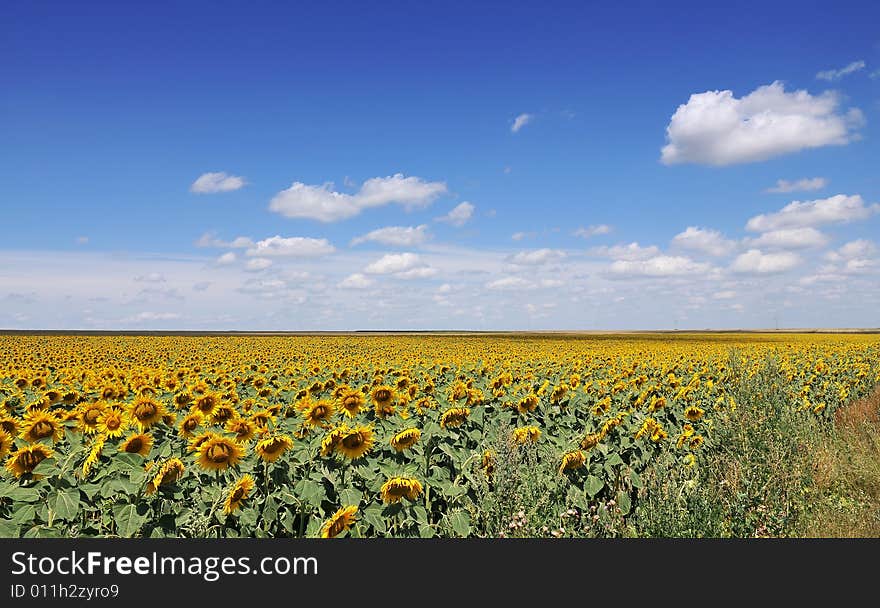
455,165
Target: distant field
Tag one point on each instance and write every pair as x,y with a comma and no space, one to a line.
404,434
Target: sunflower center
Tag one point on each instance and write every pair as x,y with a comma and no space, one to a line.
91,416
134,445
350,402
144,411
353,441
112,422
273,446
206,404
219,453
383,395
238,494
29,460
190,424
42,429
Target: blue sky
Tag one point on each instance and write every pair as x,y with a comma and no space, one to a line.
232,165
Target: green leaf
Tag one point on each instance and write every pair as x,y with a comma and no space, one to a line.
312,493
614,459
23,494
65,503
128,519
426,531
623,502
128,459
460,523
8,529
373,516
635,479
594,485
24,515
47,467
350,497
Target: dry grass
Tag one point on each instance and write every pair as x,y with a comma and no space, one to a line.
847,475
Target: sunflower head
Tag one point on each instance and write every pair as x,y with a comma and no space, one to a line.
5,443
339,522
205,402
405,439
272,447
351,401
218,453
38,425
318,413
137,444
454,416
170,471
396,488
113,422
244,429
26,459
527,403
693,413
146,411
572,460
382,395
88,416
239,493
355,442
526,434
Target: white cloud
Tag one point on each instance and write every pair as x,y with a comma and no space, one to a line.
801,185
459,215
592,230
82,240
153,277
659,266
324,204
208,183
860,248
724,295
520,121
789,238
356,281
716,128
798,214
393,262
153,316
510,284
422,272
754,261
710,242
633,251
296,246
399,236
830,75
257,264
227,258
209,239
874,74
518,236
536,257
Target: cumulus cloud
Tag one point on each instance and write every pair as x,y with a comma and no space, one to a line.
459,215
296,246
356,281
153,277
797,214
257,264
595,230
536,257
754,261
830,75
324,204
401,266
152,316
789,238
397,236
633,251
518,236
520,121
860,248
210,239
659,266
800,185
209,183
227,258
716,128
710,242
510,284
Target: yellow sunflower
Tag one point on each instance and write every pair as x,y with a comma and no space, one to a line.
26,459
332,439
527,403
397,488
9,424
572,460
94,454
356,442
272,447
318,413
244,429
222,414
339,522
38,425
88,417
137,444
113,422
146,411
205,403
5,443
169,472
189,424
405,439
454,416
239,492
590,441
351,402
693,413
526,434
218,453
384,399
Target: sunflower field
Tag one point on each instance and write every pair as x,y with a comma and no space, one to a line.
367,435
